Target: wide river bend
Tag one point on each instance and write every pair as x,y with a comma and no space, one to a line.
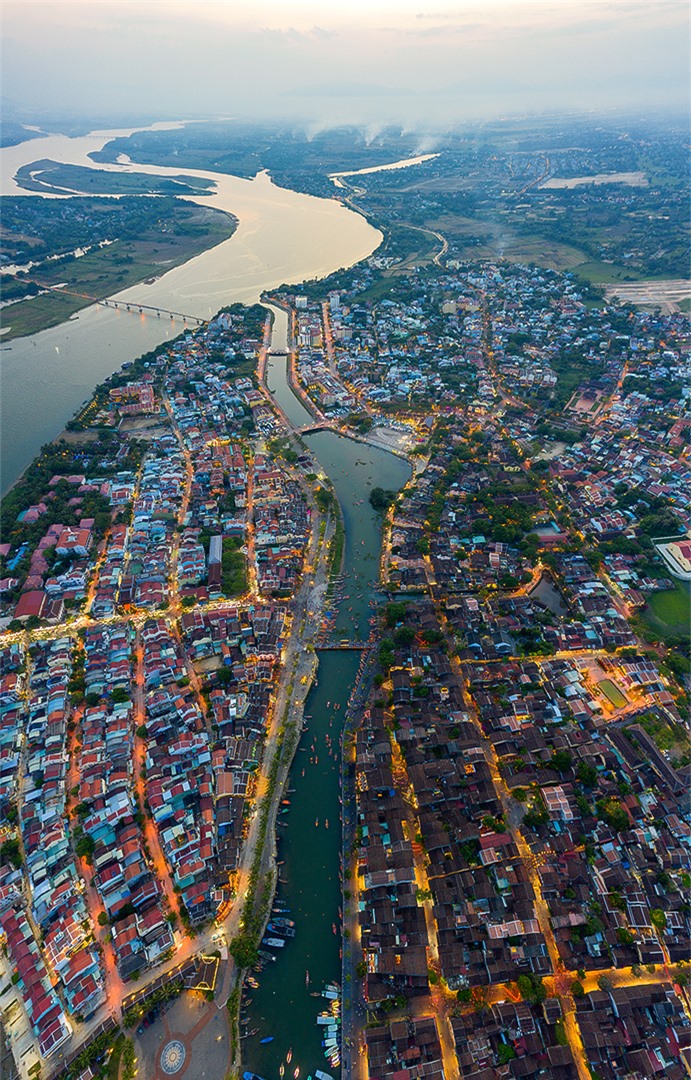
282,237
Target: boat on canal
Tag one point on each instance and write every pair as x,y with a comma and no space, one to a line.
282,931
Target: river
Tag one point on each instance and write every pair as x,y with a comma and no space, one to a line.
403,164
282,236
309,849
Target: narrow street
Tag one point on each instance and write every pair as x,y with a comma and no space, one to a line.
541,909
174,555
329,339
114,986
439,1002
251,557
149,830
95,574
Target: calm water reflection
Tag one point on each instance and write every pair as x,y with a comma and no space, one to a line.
282,236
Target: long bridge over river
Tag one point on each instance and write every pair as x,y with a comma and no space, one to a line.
133,306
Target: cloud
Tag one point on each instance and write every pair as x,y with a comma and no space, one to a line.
379,59
347,90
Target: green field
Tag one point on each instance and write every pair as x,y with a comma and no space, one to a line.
487,239
672,608
234,567
381,288
601,273
30,316
612,693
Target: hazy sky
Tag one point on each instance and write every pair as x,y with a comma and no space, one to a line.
415,61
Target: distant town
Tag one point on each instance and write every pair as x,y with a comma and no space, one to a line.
515,756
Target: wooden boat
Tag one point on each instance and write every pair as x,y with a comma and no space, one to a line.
282,931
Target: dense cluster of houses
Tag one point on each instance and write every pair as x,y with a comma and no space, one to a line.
601,809
484,508
426,343
281,519
583,726
12,690
43,595
107,807
155,505
239,648
525,1041
597,472
212,408
312,337
43,914
54,568
405,1048
632,1030
391,352
209,407
179,787
485,494
212,411
103,772
128,755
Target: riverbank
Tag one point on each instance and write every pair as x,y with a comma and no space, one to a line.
353,1000
282,1007
69,287
309,843
282,236
335,455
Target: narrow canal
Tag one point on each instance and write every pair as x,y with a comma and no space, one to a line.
309,832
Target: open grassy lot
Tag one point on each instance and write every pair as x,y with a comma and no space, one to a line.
233,567
669,737
601,273
486,239
672,608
